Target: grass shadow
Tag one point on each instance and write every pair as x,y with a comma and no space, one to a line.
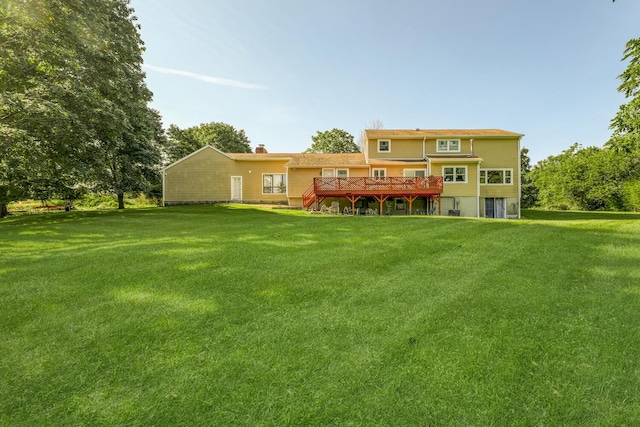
544,215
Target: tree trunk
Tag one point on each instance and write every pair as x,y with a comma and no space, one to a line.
120,200
3,210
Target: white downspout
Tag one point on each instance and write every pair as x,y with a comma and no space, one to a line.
164,173
519,180
478,191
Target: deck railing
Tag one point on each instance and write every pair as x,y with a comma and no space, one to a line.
420,185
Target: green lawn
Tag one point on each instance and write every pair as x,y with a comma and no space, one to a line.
233,315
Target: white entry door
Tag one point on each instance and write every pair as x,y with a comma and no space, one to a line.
236,188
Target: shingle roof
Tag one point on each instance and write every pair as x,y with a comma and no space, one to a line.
437,133
317,160
261,156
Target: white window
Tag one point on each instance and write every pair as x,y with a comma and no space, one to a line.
415,172
454,174
274,183
384,146
379,173
448,145
328,173
342,173
496,176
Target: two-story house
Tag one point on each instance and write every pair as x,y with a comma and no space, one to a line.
473,173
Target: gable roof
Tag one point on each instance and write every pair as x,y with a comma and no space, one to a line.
440,133
206,147
327,160
260,156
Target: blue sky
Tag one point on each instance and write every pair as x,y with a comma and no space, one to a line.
284,69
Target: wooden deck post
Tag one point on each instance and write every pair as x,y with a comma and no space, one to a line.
381,199
353,200
410,199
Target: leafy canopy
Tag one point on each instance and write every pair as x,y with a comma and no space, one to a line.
73,100
626,123
333,141
222,136
529,192
584,179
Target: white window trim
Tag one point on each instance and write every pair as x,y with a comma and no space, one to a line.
448,150
286,187
495,169
331,170
373,172
404,172
384,151
466,174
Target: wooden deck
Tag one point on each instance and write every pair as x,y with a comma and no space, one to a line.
379,188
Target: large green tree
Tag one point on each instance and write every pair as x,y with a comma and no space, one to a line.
128,141
333,141
71,94
584,179
528,190
43,94
625,139
224,137
626,123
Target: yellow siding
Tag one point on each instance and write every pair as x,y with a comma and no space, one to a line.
470,188
300,179
395,170
203,177
499,190
252,172
499,154
400,149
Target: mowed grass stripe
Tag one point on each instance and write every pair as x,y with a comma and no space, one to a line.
233,315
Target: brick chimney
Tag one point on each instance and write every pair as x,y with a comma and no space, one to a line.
260,149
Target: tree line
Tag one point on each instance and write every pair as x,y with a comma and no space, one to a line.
594,178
